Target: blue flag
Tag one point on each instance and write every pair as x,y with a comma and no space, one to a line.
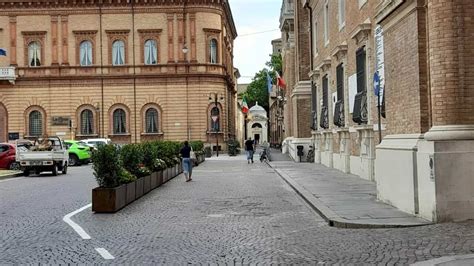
269,83
3,52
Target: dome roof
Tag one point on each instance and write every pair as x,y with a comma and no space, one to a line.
258,110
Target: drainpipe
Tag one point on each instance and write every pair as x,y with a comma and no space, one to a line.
311,53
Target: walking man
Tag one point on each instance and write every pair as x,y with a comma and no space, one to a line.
250,148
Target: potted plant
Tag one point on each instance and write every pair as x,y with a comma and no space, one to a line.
110,196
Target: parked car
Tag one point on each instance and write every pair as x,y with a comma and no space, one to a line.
79,152
7,157
44,154
96,142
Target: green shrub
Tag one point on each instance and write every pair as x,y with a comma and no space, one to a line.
233,147
150,154
197,145
126,177
106,166
132,159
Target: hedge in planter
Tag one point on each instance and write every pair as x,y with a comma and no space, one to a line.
111,195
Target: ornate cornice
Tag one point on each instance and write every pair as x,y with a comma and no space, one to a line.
78,6
207,30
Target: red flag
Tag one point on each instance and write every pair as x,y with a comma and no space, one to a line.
280,81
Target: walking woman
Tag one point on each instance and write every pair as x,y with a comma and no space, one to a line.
187,163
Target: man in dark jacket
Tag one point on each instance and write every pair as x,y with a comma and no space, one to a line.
250,148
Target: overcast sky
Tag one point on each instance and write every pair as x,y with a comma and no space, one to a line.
252,51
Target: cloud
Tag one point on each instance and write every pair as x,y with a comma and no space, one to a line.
252,52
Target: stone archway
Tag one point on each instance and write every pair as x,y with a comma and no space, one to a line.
3,123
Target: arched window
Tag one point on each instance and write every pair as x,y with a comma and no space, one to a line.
85,53
215,117
35,123
257,125
151,52
213,51
120,121
151,120
118,53
87,122
34,54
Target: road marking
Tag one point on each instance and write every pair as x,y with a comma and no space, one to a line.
76,227
105,254
13,178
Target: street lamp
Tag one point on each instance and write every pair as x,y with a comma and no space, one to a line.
215,119
97,110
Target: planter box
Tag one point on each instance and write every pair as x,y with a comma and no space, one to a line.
159,178
109,199
131,188
154,180
139,188
146,184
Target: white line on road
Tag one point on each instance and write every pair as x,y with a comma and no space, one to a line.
105,254
76,227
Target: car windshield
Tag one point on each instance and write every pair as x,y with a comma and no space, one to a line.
82,143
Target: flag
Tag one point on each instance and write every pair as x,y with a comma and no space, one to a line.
3,52
245,107
280,81
269,83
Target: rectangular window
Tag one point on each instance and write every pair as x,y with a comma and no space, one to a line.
325,91
361,70
340,82
326,23
342,14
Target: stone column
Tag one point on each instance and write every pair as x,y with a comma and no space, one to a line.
181,36
54,34
64,38
192,30
171,47
13,41
447,155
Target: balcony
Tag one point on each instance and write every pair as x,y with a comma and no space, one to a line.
8,73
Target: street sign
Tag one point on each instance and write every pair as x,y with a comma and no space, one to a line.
376,83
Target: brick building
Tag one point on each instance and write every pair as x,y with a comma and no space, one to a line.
296,66
422,53
129,70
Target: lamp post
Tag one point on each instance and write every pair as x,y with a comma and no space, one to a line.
97,110
215,119
185,52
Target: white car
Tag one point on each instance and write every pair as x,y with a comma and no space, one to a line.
96,142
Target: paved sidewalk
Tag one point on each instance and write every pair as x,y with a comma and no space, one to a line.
344,200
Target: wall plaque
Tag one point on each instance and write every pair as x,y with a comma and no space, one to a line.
61,120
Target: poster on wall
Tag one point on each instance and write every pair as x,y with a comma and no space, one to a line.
380,61
352,92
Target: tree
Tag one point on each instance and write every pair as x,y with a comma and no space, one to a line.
257,90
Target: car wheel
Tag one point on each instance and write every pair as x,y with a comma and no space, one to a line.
73,160
14,166
26,172
64,169
55,170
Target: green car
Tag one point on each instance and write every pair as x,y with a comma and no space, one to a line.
79,152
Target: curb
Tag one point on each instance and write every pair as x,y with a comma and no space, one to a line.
10,176
332,218
448,260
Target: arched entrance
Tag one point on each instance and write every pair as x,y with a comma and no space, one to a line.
3,123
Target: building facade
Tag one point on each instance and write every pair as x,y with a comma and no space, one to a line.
416,56
296,66
128,70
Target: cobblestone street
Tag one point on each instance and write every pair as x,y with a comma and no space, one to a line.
232,212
